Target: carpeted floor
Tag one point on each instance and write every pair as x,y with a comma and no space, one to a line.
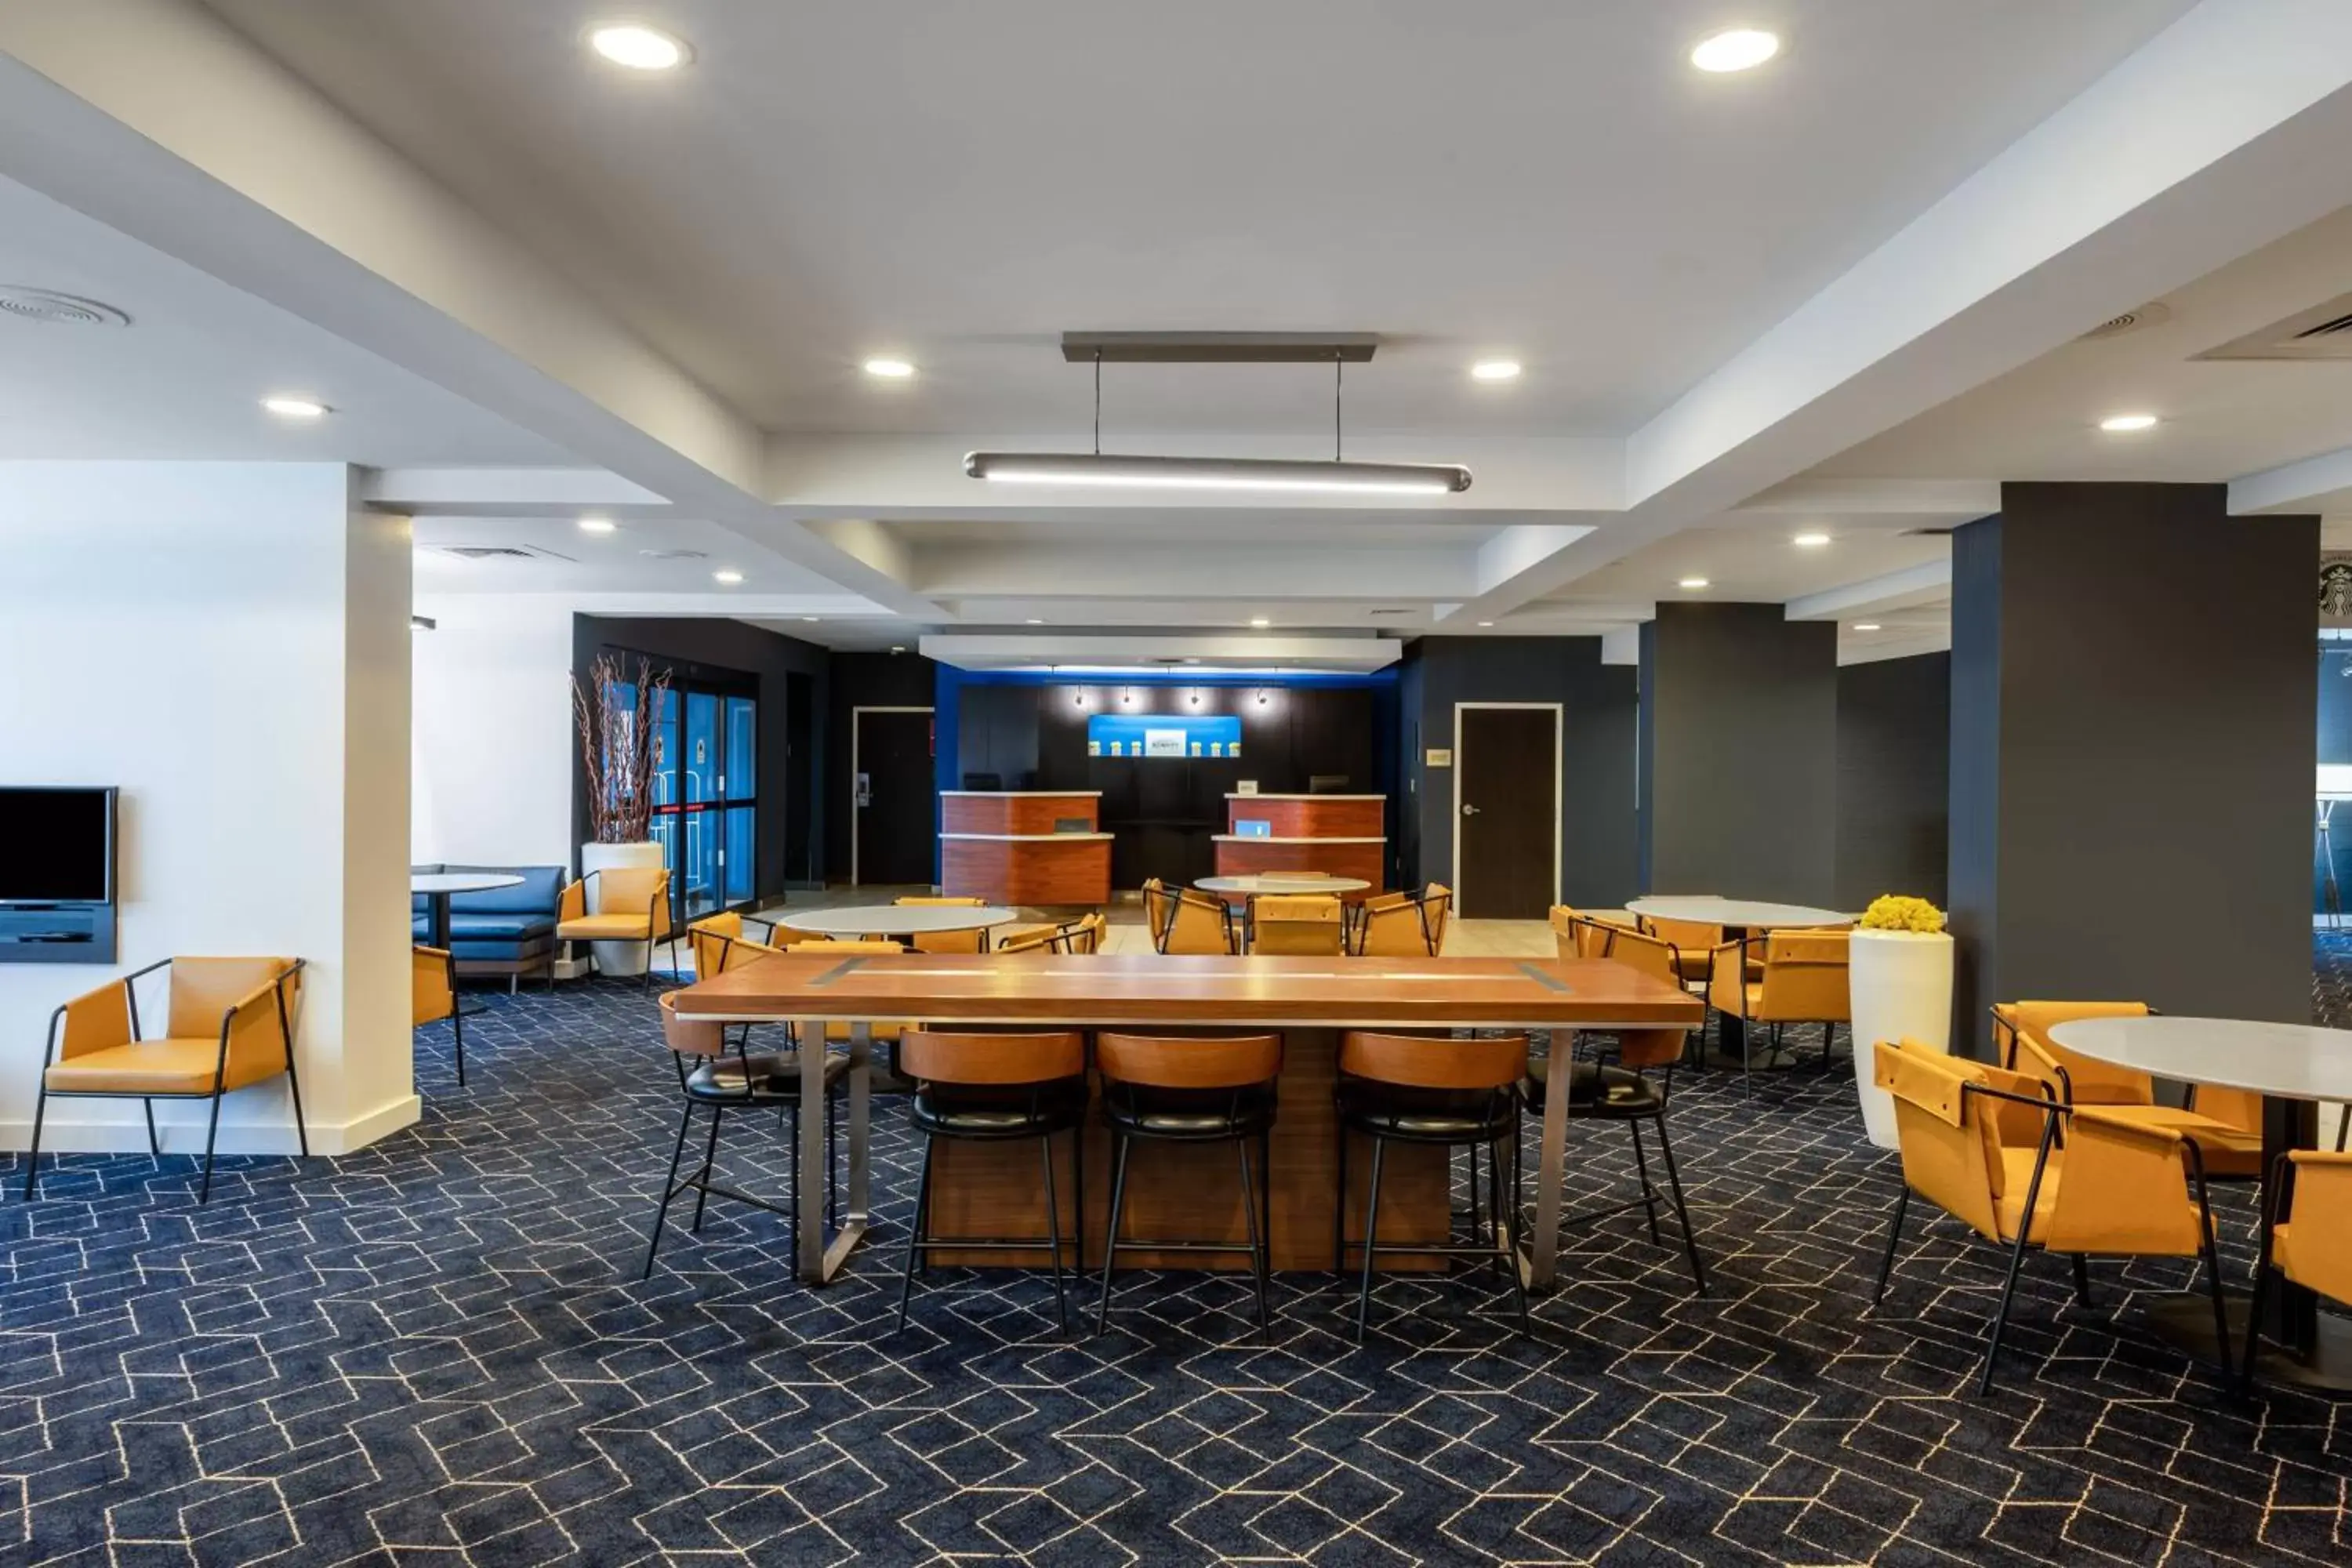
438,1351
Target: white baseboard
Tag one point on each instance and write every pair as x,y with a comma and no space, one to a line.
65,1131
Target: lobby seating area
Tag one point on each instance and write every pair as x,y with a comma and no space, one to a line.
1323,785
464,1299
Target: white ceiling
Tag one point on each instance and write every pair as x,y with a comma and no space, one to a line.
961,184
185,378
2221,419
1839,292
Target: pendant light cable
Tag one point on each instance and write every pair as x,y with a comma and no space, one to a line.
1098,403
1339,376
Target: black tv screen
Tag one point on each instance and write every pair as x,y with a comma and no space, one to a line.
62,845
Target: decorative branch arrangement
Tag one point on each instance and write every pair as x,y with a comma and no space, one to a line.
617,748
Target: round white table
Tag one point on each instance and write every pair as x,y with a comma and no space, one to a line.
1741,914
2293,1066
436,887
887,919
1279,883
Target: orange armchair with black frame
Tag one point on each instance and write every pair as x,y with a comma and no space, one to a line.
228,1026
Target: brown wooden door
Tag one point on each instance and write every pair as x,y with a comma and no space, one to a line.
1508,823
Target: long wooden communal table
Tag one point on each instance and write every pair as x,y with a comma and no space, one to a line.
1150,992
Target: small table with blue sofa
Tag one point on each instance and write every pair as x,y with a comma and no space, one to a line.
509,928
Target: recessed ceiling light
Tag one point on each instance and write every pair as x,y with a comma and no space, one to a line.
1810,541
1035,621
1692,583
889,368
285,405
595,525
1495,370
1737,49
727,574
1260,621
898,647
2122,423
809,619
1865,625
638,47
1485,623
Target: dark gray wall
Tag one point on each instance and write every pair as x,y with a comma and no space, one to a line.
1597,832
1894,778
1739,763
2133,693
860,681
731,647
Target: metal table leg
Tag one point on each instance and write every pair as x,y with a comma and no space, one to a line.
821,1255
1551,1162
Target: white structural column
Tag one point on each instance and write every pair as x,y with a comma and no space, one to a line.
229,644
491,776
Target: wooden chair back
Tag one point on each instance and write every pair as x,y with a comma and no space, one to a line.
1155,1061
690,1036
1433,1061
940,1055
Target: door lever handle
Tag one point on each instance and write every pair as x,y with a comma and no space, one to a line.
1469,811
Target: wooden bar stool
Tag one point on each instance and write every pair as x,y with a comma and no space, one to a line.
997,1088
1433,1089
729,1073
1193,1090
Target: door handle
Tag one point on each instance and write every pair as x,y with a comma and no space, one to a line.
1469,811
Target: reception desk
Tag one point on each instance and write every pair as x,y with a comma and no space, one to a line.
1016,848
1342,834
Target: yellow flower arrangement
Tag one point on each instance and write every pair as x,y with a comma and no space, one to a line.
1897,912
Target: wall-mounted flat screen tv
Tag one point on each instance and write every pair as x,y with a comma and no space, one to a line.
61,846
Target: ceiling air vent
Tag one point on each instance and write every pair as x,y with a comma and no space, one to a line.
1388,612
2321,332
1927,533
2147,315
675,554
500,553
58,310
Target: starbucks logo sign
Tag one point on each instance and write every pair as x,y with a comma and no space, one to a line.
2335,588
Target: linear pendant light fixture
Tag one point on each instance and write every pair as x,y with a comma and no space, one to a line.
1128,472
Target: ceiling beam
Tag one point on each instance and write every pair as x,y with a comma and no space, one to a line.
2320,484
2219,135
1926,584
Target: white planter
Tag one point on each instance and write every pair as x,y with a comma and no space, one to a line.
618,957
1902,990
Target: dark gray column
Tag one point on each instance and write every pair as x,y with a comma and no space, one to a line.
1738,754
1894,785
2133,738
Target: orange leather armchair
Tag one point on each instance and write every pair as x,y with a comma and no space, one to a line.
972,941
433,996
229,1024
1184,922
2113,1187
622,903
2309,1238
1581,935
2226,1125
1802,979
1404,925
1302,924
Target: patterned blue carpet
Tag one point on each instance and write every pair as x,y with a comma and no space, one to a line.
436,1351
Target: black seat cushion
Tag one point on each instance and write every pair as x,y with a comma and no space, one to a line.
1597,1090
1203,1114
998,1110
1427,1115
760,1079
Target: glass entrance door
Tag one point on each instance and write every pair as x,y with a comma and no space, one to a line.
705,796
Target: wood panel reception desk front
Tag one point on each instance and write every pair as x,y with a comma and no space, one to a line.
1345,834
1019,848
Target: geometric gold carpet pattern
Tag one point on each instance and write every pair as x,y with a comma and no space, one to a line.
436,1351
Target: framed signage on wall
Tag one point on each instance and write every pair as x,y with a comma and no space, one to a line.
1163,735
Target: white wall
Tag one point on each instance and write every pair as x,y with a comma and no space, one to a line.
227,642
491,768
